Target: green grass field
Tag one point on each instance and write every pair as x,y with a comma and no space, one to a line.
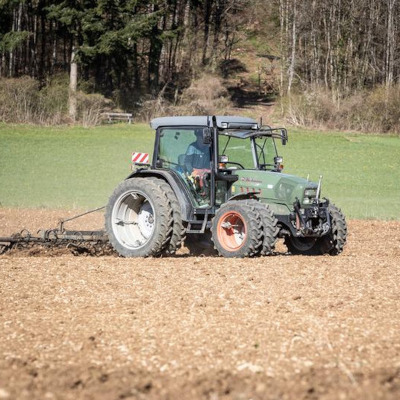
66,167
74,167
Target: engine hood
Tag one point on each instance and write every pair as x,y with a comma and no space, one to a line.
272,187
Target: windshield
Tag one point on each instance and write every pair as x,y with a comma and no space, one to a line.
266,152
240,155
238,152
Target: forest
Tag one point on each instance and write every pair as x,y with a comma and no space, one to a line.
324,62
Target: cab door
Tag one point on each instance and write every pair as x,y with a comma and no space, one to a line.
175,152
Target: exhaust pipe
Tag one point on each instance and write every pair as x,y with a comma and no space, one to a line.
319,188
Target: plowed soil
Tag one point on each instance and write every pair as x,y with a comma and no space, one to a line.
279,327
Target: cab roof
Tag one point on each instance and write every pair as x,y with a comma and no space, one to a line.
223,122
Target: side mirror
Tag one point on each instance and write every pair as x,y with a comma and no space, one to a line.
284,136
207,137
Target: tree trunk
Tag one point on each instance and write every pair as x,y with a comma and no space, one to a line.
390,44
73,83
283,44
207,14
293,53
11,60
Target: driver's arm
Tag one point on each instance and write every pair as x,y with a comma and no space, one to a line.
189,159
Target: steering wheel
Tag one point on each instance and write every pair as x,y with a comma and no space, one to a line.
263,166
168,162
235,163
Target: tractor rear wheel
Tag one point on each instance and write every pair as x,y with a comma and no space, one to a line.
178,231
138,218
236,230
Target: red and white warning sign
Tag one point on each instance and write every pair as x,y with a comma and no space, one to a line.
140,158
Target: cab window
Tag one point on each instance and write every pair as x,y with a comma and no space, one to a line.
239,152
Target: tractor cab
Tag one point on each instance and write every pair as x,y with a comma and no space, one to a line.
205,153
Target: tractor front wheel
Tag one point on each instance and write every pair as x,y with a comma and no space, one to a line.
332,243
236,230
300,245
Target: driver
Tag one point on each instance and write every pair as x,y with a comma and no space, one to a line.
197,154
197,160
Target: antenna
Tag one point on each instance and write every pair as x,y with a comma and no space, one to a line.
319,187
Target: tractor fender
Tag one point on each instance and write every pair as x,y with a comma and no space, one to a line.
176,185
243,196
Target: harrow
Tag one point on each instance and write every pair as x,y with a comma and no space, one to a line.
77,241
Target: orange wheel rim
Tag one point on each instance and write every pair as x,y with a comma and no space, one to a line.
232,231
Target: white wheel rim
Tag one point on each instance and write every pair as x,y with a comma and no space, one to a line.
146,219
133,219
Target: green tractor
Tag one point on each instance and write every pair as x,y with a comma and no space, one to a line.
218,181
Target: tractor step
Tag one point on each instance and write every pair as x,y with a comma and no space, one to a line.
203,223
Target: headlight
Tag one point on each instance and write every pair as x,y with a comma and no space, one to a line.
310,192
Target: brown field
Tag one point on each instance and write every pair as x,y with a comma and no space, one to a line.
280,327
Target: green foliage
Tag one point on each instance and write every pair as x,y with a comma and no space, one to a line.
135,47
11,40
66,15
77,167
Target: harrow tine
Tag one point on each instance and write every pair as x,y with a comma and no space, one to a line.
78,241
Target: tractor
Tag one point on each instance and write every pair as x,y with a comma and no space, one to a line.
217,181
